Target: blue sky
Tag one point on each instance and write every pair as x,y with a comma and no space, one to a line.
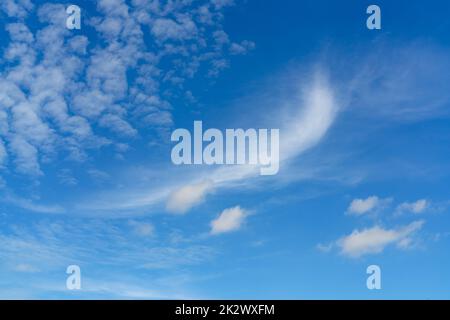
86,176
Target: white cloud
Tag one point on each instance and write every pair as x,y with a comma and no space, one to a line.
325,247
91,86
3,154
123,290
31,205
165,29
98,176
143,229
184,198
361,206
27,268
221,38
242,48
414,207
107,92
65,177
229,220
312,111
26,156
118,125
222,3
375,239
382,87
312,114
49,245
17,8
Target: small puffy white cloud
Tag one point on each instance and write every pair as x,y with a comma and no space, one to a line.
20,32
361,206
414,207
26,156
242,48
186,197
221,38
16,8
118,125
229,220
78,44
164,29
375,239
217,66
222,3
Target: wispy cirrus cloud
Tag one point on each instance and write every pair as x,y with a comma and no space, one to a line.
48,245
31,205
312,109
